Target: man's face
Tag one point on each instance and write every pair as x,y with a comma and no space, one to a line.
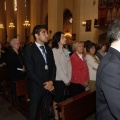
42,37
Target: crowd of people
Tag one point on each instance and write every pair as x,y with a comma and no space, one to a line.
54,68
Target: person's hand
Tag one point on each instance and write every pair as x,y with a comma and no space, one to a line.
3,64
23,68
49,85
68,84
86,84
97,61
94,68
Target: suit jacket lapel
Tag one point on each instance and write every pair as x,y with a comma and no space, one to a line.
38,54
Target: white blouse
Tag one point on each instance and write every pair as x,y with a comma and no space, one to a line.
92,65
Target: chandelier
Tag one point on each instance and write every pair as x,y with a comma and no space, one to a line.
26,23
11,25
1,25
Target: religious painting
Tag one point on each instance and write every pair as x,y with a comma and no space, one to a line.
73,37
88,25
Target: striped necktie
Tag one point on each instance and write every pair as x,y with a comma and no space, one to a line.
44,53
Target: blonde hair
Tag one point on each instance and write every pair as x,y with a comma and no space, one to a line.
13,41
76,44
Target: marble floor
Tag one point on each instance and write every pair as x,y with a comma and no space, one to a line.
6,114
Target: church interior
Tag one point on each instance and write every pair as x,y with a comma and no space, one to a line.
79,20
18,17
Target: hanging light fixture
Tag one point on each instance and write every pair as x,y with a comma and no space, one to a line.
1,25
84,22
26,22
11,25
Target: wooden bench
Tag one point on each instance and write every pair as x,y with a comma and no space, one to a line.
4,76
78,107
21,90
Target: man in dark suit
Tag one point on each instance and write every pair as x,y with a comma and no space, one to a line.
108,78
41,71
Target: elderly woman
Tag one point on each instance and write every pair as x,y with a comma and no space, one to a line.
80,73
14,60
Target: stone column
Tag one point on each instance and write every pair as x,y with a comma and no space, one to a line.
2,21
55,16
9,18
21,16
36,15
76,18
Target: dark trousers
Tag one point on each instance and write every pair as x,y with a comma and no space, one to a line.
76,89
61,90
38,101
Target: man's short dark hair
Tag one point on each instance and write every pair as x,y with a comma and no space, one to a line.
114,31
37,29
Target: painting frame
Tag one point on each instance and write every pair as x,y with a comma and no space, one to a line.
88,25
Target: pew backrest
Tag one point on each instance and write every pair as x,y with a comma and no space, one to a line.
21,87
78,107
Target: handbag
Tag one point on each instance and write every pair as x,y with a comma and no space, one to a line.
49,106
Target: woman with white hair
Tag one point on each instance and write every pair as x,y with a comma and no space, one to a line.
15,64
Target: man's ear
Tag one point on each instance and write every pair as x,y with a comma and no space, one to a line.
36,35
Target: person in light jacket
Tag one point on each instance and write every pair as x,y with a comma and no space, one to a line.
92,62
63,68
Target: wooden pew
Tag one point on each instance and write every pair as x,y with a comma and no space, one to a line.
78,107
4,76
21,90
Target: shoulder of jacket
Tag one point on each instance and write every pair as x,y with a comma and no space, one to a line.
55,49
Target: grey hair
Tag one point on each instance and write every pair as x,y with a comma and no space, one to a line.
13,41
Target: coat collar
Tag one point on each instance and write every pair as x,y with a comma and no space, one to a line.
114,51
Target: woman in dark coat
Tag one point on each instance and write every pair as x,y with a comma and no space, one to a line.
15,64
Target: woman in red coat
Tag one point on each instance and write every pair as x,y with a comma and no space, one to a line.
80,73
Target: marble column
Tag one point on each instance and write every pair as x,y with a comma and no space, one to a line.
55,16
21,16
9,18
36,15
76,18
2,21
